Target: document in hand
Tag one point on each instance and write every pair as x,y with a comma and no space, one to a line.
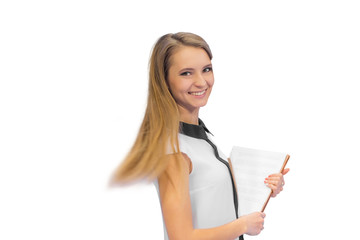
250,168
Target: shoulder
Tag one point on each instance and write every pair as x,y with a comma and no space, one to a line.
179,162
175,178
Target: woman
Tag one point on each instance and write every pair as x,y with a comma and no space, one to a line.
174,148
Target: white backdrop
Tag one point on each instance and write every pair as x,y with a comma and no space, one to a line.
73,92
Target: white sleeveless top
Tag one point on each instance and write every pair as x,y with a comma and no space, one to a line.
212,194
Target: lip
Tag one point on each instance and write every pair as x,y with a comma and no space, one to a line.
198,93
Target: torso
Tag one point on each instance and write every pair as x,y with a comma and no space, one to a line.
210,183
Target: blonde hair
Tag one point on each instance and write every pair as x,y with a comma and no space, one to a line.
160,127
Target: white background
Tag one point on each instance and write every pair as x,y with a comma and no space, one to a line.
73,92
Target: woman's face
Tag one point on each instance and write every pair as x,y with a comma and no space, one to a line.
190,78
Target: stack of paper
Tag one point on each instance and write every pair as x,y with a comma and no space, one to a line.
250,168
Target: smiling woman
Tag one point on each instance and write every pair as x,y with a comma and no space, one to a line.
175,150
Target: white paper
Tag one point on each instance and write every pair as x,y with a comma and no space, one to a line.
250,168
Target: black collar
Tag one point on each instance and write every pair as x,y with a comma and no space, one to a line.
195,131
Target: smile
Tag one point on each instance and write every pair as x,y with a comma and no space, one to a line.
198,93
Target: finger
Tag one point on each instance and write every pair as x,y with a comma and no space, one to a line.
274,182
277,179
275,190
272,187
275,175
285,171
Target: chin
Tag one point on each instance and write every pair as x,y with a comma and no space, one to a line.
201,104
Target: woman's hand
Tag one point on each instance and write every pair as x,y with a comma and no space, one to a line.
276,182
254,223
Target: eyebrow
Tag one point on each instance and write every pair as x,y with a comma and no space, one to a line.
190,69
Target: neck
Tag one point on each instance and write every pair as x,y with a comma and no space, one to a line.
191,117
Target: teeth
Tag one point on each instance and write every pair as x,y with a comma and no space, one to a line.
197,93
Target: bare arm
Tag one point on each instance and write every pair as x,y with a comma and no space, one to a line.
176,208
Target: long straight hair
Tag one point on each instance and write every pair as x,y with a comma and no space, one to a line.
158,134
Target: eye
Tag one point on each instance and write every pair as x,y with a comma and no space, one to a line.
208,69
185,74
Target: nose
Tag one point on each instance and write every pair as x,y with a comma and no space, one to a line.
200,80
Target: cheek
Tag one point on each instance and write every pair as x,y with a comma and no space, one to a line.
180,85
176,87
211,81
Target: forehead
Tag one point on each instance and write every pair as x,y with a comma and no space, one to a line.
185,57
